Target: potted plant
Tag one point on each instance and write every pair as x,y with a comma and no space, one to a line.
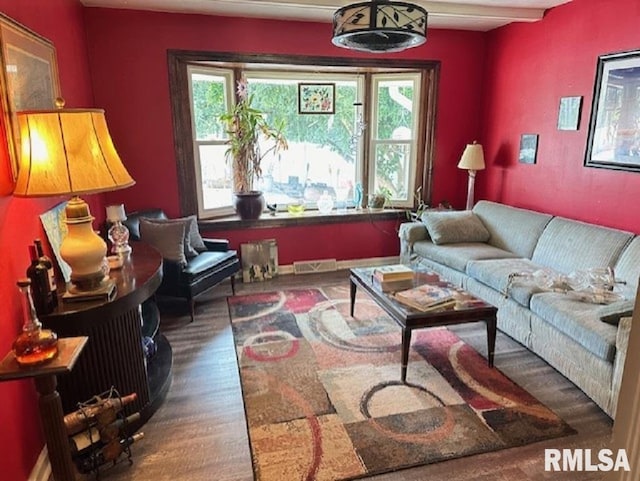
245,125
379,199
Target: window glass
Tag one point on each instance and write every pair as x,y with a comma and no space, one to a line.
393,145
321,156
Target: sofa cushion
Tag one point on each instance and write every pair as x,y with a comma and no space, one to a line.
626,269
456,256
450,227
511,228
612,313
567,245
578,320
495,274
167,238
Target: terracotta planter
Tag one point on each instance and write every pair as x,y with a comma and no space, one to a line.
249,205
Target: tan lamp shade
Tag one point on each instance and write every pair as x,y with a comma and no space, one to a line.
472,157
67,151
70,152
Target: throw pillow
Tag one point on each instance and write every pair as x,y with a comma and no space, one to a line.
193,243
167,237
446,227
195,239
612,313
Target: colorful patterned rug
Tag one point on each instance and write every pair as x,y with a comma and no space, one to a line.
324,401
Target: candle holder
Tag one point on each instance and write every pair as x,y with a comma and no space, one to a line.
118,232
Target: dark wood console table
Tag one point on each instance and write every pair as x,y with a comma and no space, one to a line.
114,354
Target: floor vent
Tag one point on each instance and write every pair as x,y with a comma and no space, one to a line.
309,267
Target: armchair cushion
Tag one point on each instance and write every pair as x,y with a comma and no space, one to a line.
167,237
193,243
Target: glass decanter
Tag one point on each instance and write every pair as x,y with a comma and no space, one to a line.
34,345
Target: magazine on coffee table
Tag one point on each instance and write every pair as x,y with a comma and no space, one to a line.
427,297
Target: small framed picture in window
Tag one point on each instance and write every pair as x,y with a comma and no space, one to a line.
316,98
528,148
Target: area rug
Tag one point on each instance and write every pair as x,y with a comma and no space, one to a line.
324,400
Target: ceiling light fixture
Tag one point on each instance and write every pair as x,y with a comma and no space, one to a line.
380,26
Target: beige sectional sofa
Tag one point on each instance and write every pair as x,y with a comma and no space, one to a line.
480,250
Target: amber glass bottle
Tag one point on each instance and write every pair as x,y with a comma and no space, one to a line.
34,345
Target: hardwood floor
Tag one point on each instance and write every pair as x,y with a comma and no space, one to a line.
199,433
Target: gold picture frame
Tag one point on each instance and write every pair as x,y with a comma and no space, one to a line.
28,78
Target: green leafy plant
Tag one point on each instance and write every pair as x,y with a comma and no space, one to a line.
245,125
379,199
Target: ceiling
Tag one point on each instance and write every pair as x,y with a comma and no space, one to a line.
481,15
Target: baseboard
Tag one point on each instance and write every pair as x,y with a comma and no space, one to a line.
42,469
349,264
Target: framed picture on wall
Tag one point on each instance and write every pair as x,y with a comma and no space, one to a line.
316,98
28,77
569,113
614,127
528,148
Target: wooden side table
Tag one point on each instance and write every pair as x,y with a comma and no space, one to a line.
51,414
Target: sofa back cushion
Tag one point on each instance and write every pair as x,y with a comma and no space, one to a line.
568,245
452,227
511,228
627,269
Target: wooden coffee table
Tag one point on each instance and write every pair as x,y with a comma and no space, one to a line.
470,309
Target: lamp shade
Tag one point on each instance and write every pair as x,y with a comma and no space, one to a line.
472,157
380,26
67,151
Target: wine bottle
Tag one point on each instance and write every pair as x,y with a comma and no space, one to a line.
40,289
108,453
33,345
97,436
46,261
82,418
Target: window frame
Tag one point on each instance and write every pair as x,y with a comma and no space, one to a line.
228,75
179,60
375,141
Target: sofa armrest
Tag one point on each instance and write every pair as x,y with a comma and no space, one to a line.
409,233
218,245
622,342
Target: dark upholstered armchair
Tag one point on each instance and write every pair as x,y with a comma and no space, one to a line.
200,273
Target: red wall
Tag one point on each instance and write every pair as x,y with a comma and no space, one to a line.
128,56
61,22
529,67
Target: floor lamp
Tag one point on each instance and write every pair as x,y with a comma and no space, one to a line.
472,160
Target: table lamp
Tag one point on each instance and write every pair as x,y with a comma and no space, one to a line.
472,160
70,152
118,233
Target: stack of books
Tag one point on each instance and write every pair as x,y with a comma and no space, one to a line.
427,297
392,278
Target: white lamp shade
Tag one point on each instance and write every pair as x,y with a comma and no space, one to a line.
472,157
116,213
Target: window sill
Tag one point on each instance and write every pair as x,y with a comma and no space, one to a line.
312,217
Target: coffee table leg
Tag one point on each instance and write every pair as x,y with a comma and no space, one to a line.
353,297
406,345
491,339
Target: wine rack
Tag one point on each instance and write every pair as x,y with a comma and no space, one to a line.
99,432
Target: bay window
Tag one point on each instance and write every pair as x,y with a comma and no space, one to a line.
378,135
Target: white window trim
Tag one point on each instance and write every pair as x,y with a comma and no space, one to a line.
376,79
